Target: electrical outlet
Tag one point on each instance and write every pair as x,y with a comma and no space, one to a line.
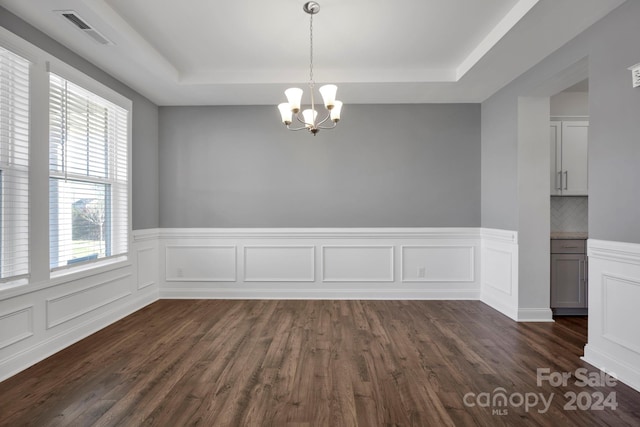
422,272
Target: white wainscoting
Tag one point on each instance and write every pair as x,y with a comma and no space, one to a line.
499,284
16,325
68,306
349,263
279,263
40,319
614,314
366,264
439,263
201,263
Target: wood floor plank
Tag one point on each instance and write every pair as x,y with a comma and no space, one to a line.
310,363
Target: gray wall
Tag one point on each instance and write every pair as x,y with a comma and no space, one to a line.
614,144
145,189
383,166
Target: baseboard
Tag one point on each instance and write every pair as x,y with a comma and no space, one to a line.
501,306
570,311
22,360
535,315
630,375
318,294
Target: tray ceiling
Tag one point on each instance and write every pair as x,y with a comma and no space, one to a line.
197,52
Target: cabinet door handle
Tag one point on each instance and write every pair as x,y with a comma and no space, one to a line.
559,181
569,247
585,272
566,180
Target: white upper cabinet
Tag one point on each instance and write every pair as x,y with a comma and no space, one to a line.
569,159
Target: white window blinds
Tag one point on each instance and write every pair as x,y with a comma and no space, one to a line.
14,166
88,182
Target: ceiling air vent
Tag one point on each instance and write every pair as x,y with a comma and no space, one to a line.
75,19
635,75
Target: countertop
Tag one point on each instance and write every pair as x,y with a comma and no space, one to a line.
556,235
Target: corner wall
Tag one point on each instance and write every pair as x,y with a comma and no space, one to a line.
614,205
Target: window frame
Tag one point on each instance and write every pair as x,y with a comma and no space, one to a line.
42,62
96,88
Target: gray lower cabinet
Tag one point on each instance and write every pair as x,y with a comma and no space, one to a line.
568,277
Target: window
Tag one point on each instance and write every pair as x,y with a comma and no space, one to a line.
88,178
14,166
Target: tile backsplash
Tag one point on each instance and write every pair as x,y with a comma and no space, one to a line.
569,214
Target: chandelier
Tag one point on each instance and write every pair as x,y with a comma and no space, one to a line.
309,117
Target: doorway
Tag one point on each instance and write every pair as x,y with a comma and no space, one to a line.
534,201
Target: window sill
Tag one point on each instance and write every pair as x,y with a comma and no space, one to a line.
67,275
89,268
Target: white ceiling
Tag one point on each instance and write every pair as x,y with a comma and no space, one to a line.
197,52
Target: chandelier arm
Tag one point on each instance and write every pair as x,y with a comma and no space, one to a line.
324,120
328,127
295,129
300,118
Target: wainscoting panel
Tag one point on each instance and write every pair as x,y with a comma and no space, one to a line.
68,306
201,263
279,264
15,326
147,267
438,264
620,299
357,264
327,263
499,283
614,295
497,273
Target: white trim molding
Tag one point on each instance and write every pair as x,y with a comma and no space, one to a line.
16,325
358,263
614,295
534,315
279,263
438,263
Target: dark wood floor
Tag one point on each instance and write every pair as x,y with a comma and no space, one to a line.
313,363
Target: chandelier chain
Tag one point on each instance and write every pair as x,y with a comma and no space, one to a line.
311,49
